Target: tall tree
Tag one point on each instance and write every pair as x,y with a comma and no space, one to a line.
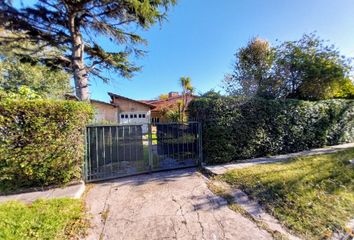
251,71
187,90
306,69
74,27
311,69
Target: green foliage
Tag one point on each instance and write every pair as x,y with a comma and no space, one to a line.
312,195
42,80
23,92
173,115
186,84
311,70
41,141
43,219
252,69
187,90
306,69
163,96
236,128
76,27
211,94
346,90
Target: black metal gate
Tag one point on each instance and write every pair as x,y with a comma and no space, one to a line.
122,150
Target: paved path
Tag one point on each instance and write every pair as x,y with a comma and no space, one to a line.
167,205
72,191
221,169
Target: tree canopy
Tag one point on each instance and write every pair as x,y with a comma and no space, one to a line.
251,70
163,96
17,73
42,80
73,26
306,69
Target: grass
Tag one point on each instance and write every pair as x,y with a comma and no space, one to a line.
314,196
43,219
224,192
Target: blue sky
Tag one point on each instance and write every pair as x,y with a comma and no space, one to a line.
201,36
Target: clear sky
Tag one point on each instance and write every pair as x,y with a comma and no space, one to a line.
201,36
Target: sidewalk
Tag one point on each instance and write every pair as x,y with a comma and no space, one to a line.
221,169
72,191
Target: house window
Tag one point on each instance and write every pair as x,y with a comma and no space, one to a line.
126,115
135,116
139,115
131,115
122,116
143,115
155,120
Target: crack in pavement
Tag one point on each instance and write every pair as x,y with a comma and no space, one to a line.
201,225
182,208
214,201
105,208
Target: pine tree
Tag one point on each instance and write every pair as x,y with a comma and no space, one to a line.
74,27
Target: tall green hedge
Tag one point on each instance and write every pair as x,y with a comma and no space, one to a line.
235,128
41,141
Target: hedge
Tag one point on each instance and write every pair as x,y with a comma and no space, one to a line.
41,141
235,128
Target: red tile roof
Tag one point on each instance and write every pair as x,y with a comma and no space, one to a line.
167,104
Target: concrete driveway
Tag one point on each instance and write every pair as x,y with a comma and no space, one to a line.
167,205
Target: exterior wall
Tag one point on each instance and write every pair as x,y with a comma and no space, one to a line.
105,112
130,106
127,108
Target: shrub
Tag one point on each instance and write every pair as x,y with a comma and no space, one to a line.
235,128
41,141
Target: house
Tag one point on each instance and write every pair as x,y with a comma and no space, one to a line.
130,111
125,110
120,110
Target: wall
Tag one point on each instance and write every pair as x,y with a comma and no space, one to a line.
105,112
130,106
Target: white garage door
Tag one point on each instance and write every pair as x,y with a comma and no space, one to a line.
133,118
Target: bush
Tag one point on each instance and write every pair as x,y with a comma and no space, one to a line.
41,141
235,128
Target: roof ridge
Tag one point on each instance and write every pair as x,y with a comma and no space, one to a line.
112,95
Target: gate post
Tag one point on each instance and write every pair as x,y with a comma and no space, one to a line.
200,143
86,156
150,146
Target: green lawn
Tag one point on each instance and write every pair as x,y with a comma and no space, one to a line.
43,219
311,195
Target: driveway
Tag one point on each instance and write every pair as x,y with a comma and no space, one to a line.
167,205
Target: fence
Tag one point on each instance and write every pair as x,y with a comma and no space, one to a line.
123,150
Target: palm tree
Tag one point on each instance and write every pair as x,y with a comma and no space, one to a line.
187,89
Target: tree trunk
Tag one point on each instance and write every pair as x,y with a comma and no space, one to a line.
77,61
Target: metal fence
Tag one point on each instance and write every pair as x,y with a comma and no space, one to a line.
122,150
